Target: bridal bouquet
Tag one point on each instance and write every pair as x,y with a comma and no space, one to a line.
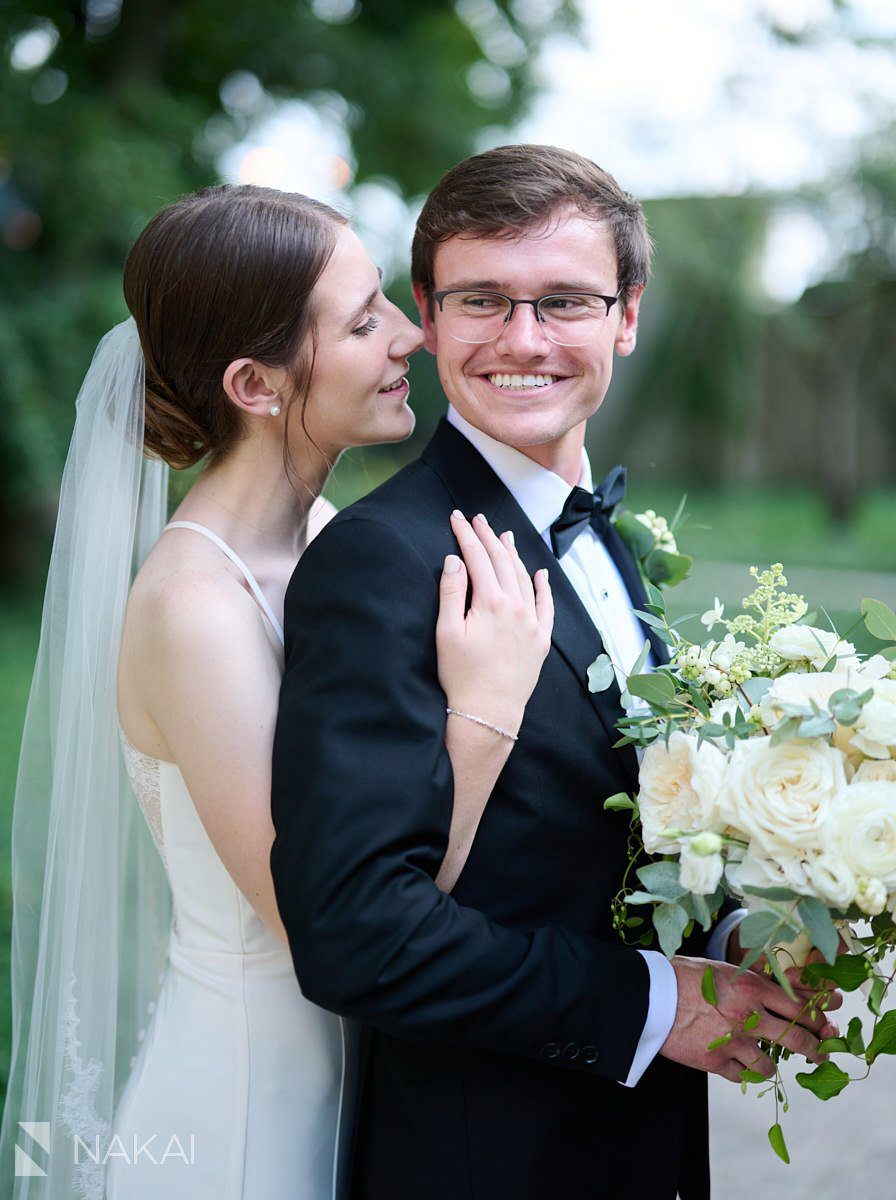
769,774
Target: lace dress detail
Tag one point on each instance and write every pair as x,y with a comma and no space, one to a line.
143,772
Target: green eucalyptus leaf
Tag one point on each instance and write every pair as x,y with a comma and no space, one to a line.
786,729
655,687
754,689
770,893
669,921
601,674
777,1143
822,930
880,620
640,897
826,1081
663,567
758,928
662,878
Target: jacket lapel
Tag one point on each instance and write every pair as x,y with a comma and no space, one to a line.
475,488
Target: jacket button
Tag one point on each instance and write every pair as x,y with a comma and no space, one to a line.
590,1055
550,1050
571,1051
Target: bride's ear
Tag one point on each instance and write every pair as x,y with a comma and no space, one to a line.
252,387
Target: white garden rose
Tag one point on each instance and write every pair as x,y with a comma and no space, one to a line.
785,870
876,768
876,727
807,688
678,788
700,873
806,643
803,689
832,879
780,796
862,829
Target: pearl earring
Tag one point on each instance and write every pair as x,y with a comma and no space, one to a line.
275,410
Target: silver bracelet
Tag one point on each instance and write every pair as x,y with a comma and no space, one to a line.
487,724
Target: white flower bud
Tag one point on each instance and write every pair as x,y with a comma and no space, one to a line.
871,896
706,843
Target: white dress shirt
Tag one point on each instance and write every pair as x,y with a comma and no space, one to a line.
595,577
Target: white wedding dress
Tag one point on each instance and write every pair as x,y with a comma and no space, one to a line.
241,1089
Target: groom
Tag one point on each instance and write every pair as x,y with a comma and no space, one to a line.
516,1049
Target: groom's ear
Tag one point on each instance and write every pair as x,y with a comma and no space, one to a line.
627,331
425,308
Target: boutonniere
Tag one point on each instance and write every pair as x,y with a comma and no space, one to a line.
651,540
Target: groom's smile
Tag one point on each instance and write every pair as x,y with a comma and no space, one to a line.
522,388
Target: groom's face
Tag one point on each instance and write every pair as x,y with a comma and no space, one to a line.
570,254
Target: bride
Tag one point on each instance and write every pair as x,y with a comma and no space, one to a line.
161,1044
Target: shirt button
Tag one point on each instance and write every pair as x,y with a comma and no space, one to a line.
550,1050
589,1055
571,1051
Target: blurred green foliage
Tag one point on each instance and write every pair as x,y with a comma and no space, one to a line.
126,113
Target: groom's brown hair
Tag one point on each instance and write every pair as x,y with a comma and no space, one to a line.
511,190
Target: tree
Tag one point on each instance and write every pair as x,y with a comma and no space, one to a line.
112,109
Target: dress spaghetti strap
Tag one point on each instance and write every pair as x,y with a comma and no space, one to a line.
240,566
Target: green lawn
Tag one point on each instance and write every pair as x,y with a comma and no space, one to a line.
724,530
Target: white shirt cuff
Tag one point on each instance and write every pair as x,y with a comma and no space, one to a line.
662,1005
717,946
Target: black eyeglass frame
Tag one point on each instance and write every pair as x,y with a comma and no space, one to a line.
439,298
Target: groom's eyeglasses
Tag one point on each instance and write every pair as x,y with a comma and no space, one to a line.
566,318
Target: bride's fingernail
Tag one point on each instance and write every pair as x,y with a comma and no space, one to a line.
543,575
457,513
507,536
452,564
480,517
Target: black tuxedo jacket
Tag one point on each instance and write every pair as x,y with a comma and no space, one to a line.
503,1016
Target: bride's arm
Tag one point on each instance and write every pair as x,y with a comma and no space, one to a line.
489,662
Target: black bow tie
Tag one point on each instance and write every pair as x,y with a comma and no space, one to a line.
582,508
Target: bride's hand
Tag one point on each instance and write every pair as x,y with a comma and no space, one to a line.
490,656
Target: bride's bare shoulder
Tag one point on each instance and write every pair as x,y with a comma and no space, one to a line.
189,598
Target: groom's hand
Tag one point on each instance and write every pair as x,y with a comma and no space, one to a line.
781,1019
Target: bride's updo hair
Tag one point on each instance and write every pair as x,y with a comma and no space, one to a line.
225,273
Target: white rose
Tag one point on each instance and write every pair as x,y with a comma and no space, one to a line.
805,643
876,727
872,769
678,787
784,870
832,879
780,796
871,896
862,828
700,873
805,689
801,689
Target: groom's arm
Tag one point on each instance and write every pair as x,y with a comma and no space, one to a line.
362,796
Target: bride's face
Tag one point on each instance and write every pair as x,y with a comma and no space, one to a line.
359,388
